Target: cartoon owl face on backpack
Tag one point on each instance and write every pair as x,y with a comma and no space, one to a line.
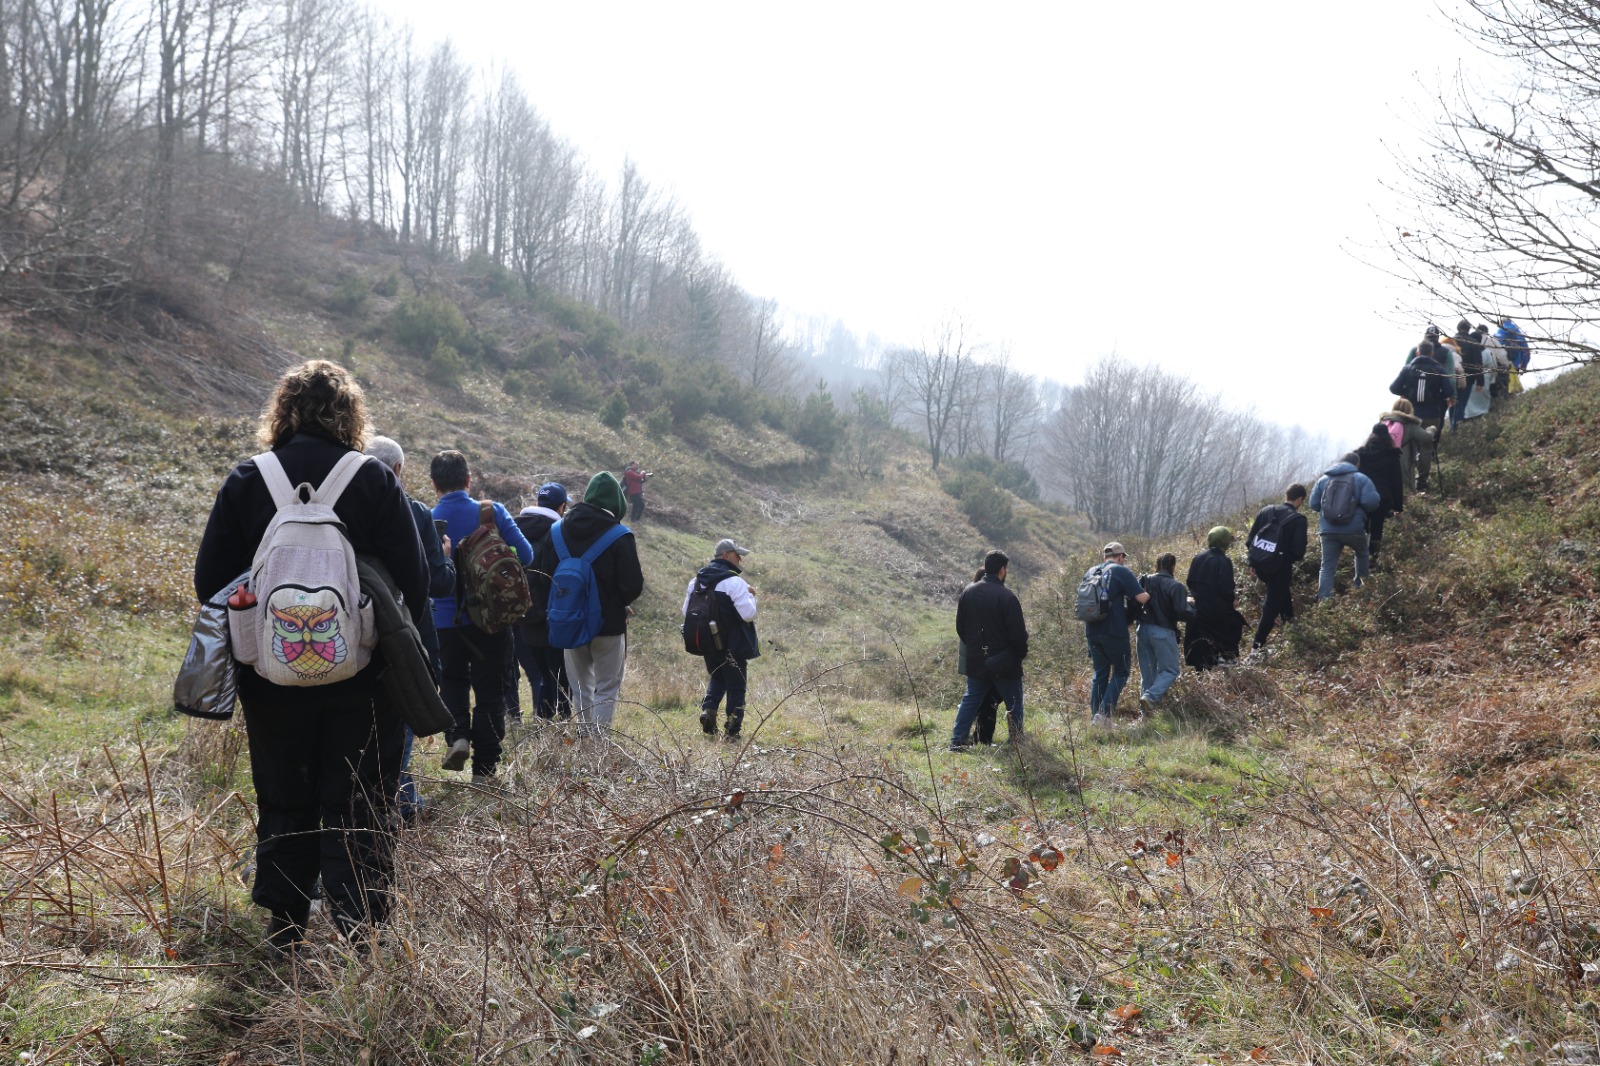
306,638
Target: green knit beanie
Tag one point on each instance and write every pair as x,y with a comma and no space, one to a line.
605,491
1219,538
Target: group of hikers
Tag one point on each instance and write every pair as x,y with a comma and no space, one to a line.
336,582
334,579
1444,381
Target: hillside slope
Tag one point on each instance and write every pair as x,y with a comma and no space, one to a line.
1375,847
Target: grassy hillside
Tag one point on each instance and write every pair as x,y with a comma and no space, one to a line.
1376,847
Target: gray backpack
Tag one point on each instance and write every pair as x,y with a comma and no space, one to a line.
1094,594
1340,499
304,620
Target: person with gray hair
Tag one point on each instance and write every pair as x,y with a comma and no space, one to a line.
441,582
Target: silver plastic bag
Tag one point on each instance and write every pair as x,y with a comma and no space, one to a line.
208,682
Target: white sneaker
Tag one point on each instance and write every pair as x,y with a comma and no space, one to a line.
1099,721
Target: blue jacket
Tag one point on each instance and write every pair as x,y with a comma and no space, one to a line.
460,513
1367,494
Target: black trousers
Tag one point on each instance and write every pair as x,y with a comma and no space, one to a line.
727,677
546,668
636,508
325,777
475,664
1280,603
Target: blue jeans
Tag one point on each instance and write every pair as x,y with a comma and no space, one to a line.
1109,654
1333,546
1159,661
978,688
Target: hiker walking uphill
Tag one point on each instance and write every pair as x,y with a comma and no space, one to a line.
475,623
324,755
1343,496
593,571
1380,462
1410,436
1103,598
1276,543
545,666
1430,388
989,622
1169,604
719,625
1214,635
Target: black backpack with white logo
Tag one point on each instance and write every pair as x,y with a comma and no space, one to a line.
1268,547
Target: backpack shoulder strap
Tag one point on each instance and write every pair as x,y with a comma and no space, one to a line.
486,513
604,541
276,480
339,478
559,542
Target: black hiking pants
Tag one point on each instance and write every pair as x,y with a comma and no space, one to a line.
475,666
1280,603
325,776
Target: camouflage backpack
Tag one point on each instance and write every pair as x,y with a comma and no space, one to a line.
494,589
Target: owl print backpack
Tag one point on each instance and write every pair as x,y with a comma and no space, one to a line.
302,619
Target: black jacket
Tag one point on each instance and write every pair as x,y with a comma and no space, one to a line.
1169,601
1210,582
1381,464
989,621
535,630
616,572
377,520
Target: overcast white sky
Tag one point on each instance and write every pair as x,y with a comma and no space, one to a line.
1197,186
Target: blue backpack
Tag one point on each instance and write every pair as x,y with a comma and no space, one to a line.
573,612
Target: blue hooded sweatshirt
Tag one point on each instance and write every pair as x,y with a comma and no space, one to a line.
1366,492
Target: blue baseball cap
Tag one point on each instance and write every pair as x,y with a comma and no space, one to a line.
552,494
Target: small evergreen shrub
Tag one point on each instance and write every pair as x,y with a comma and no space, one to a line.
349,296
422,324
615,411
445,367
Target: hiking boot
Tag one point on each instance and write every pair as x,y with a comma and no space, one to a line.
959,749
731,736
456,757
285,932
1146,707
1099,721
708,723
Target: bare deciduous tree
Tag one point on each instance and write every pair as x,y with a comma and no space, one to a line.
1141,452
1506,188
933,380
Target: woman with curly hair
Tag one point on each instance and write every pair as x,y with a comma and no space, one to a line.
325,758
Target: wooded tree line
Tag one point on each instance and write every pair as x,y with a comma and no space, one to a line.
140,136
174,136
